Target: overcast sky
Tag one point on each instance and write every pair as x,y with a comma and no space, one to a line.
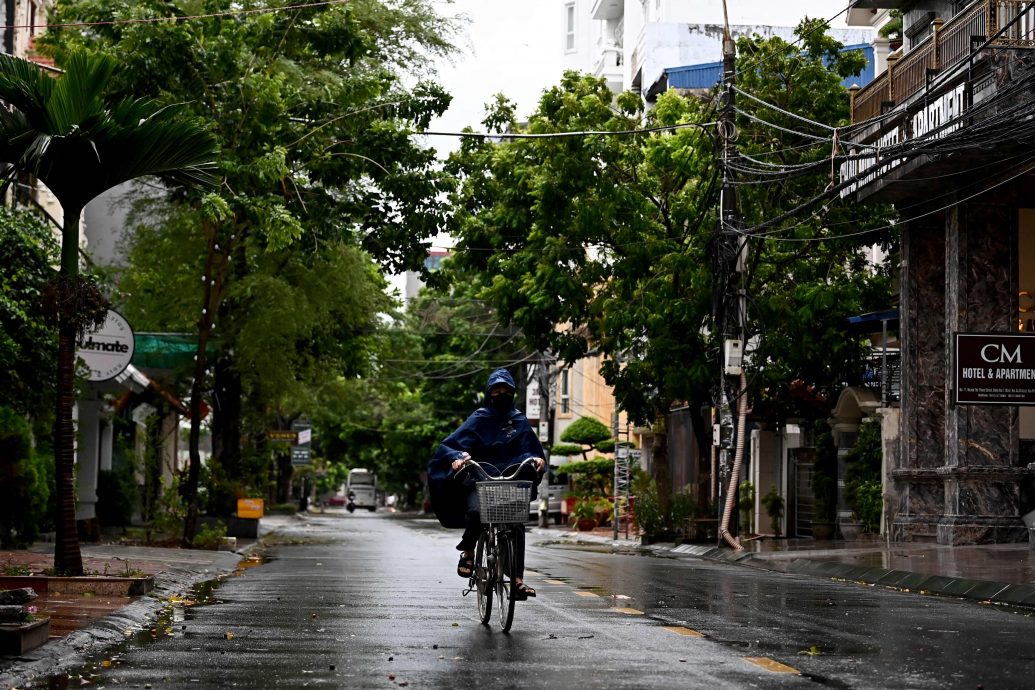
507,47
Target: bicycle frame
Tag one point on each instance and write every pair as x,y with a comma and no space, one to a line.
495,567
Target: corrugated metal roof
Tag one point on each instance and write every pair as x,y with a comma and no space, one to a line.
707,75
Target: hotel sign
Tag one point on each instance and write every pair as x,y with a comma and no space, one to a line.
995,369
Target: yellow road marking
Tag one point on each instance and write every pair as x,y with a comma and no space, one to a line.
631,612
587,594
553,582
531,572
680,630
771,665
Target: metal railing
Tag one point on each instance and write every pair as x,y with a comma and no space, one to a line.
948,45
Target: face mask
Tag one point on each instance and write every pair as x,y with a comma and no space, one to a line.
502,402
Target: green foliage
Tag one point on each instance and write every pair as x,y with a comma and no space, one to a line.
28,337
586,431
647,509
24,488
584,509
209,536
592,477
170,511
746,504
863,476
648,205
893,29
565,449
774,504
684,510
824,477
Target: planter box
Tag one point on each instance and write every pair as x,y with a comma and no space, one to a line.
88,584
16,639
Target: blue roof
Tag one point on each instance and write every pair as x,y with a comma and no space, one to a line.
707,75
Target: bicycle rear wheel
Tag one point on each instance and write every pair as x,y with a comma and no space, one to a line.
483,576
505,571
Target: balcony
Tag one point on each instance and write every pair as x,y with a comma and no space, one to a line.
949,45
609,63
607,9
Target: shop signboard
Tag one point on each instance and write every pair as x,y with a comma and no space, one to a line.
994,369
107,350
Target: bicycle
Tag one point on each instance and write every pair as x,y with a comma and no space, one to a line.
503,510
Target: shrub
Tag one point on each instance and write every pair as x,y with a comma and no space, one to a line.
24,490
684,509
862,469
773,504
746,505
209,536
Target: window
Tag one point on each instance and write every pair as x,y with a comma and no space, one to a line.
569,27
565,397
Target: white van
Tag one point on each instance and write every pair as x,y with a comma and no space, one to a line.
361,489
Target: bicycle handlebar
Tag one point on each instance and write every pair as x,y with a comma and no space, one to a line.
471,462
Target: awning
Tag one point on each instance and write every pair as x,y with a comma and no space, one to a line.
165,350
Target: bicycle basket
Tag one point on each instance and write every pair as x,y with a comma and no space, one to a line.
504,501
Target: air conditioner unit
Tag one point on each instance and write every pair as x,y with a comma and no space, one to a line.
733,357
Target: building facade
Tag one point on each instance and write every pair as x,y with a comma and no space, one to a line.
944,134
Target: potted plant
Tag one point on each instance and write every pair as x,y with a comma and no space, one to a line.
773,504
584,514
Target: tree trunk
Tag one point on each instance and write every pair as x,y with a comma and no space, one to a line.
226,418
212,289
660,461
68,559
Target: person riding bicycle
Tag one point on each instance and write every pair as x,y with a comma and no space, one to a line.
495,434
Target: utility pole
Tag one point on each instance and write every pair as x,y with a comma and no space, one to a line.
734,335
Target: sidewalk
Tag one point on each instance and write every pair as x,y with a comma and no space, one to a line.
82,624
995,573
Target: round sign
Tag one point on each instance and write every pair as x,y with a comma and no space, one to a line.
107,350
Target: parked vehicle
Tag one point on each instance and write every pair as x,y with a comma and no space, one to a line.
555,487
361,490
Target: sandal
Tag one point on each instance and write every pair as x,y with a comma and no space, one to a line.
521,591
465,568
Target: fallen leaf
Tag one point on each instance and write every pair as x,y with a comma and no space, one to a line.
228,635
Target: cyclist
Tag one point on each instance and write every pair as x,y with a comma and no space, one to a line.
495,434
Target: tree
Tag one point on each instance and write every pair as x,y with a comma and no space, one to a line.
614,241
587,432
71,135
315,119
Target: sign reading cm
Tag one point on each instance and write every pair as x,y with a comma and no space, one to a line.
995,369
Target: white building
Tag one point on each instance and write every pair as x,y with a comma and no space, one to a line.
632,42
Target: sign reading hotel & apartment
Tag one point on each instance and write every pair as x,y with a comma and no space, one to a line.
107,350
995,369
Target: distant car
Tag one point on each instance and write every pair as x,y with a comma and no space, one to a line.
555,487
336,501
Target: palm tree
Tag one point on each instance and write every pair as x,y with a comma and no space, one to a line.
79,141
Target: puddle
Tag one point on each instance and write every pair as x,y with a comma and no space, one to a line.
170,623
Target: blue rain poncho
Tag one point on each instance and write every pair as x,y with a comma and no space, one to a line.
500,439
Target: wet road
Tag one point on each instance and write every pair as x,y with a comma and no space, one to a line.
372,601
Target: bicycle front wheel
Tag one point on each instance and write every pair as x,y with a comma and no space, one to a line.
483,576
506,569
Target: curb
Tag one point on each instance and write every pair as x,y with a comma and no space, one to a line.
984,591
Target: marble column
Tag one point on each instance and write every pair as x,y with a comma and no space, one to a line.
980,475
915,497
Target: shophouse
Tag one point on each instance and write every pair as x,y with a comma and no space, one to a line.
944,134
